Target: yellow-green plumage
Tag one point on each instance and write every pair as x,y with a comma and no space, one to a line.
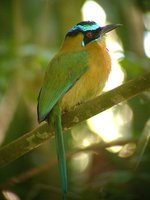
76,74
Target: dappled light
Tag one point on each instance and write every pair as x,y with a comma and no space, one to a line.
127,150
147,33
91,10
80,162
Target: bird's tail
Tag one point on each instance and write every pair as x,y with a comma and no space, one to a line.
60,149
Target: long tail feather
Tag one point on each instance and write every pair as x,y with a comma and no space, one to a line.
60,151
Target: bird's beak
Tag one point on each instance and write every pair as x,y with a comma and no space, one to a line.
107,28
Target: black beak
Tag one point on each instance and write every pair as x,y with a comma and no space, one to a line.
107,28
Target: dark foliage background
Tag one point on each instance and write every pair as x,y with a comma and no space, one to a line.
31,32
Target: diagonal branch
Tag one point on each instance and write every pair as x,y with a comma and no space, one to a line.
42,133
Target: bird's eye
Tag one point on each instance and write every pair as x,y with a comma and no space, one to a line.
89,34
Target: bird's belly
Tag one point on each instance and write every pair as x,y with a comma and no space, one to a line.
83,90
88,86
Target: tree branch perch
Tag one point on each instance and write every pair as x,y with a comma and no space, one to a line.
42,133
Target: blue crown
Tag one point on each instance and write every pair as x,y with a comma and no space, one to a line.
83,27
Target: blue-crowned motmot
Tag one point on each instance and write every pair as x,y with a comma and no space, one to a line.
77,73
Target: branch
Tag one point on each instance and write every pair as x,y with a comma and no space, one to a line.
43,132
24,176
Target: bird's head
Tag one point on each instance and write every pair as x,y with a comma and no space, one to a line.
90,31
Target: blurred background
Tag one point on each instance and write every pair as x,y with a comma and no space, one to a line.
108,156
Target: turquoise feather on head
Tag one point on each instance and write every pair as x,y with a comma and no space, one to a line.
84,26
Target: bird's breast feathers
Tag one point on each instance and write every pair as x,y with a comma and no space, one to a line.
93,80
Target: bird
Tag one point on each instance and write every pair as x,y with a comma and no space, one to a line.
76,74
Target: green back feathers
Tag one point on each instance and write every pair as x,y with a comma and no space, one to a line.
62,72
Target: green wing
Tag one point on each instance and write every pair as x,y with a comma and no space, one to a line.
63,71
